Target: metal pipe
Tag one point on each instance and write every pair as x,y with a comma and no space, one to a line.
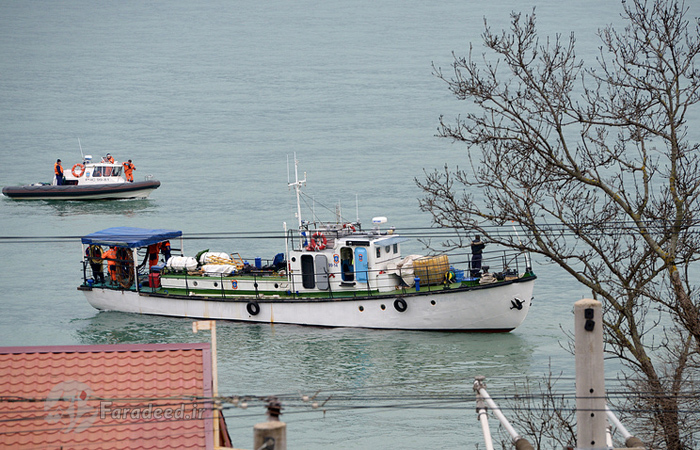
484,421
478,387
630,441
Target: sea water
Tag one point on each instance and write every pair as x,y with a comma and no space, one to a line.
214,99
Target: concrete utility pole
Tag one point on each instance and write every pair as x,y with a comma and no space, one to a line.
271,435
590,376
211,325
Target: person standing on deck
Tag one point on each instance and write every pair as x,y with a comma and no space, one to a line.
111,257
94,254
153,251
108,170
58,170
128,171
477,249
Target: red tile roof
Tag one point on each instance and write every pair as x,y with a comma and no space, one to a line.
107,397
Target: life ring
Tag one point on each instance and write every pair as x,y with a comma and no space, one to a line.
350,226
400,305
82,170
253,308
318,242
125,267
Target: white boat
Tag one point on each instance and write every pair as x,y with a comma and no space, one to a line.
86,181
330,275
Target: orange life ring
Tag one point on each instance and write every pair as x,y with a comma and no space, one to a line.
78,166
318,242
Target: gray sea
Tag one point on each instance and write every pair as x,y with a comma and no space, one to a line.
213,99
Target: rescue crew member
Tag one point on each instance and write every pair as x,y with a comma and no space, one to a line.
94,255
111,257
128,171
153,250
165,249
58,170
477,248
108,170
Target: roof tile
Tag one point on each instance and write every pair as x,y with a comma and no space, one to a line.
108,397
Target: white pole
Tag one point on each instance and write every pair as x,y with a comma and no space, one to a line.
484,420
297,184
497,412
482,414
590,375
630,440
520,442
211,325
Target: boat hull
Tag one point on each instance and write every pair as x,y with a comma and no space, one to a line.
115,191
492,308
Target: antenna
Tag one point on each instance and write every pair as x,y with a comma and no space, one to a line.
81,149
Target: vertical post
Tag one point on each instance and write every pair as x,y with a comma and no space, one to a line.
590,382
271,435
211,325
482,414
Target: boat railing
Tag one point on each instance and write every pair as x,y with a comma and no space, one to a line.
499,265
298,239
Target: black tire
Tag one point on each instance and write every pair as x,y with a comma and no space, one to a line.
400,305
253,308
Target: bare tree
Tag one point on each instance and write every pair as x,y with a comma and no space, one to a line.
596,166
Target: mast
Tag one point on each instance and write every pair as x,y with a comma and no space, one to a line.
297,185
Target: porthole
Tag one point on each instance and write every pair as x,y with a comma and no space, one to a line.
195,283
432,302
362,308
383,307
216,284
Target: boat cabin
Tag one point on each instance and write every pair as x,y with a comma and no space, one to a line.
89,172
338,257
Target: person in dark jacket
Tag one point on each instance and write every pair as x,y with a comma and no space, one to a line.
94,255
58,170
477,249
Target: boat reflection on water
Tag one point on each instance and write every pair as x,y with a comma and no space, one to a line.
294,356
375,386
122,208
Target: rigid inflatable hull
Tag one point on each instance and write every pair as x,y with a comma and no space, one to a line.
136,190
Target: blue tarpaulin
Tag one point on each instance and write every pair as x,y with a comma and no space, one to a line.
129,237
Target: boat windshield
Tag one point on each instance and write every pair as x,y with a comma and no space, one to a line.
107,171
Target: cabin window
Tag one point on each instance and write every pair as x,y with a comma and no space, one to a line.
116,171
396,248
379,252
347,268
97,172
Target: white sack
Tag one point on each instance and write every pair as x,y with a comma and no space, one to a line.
182,262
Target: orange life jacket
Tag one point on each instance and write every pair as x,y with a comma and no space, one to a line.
153,250
111,257
58,168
